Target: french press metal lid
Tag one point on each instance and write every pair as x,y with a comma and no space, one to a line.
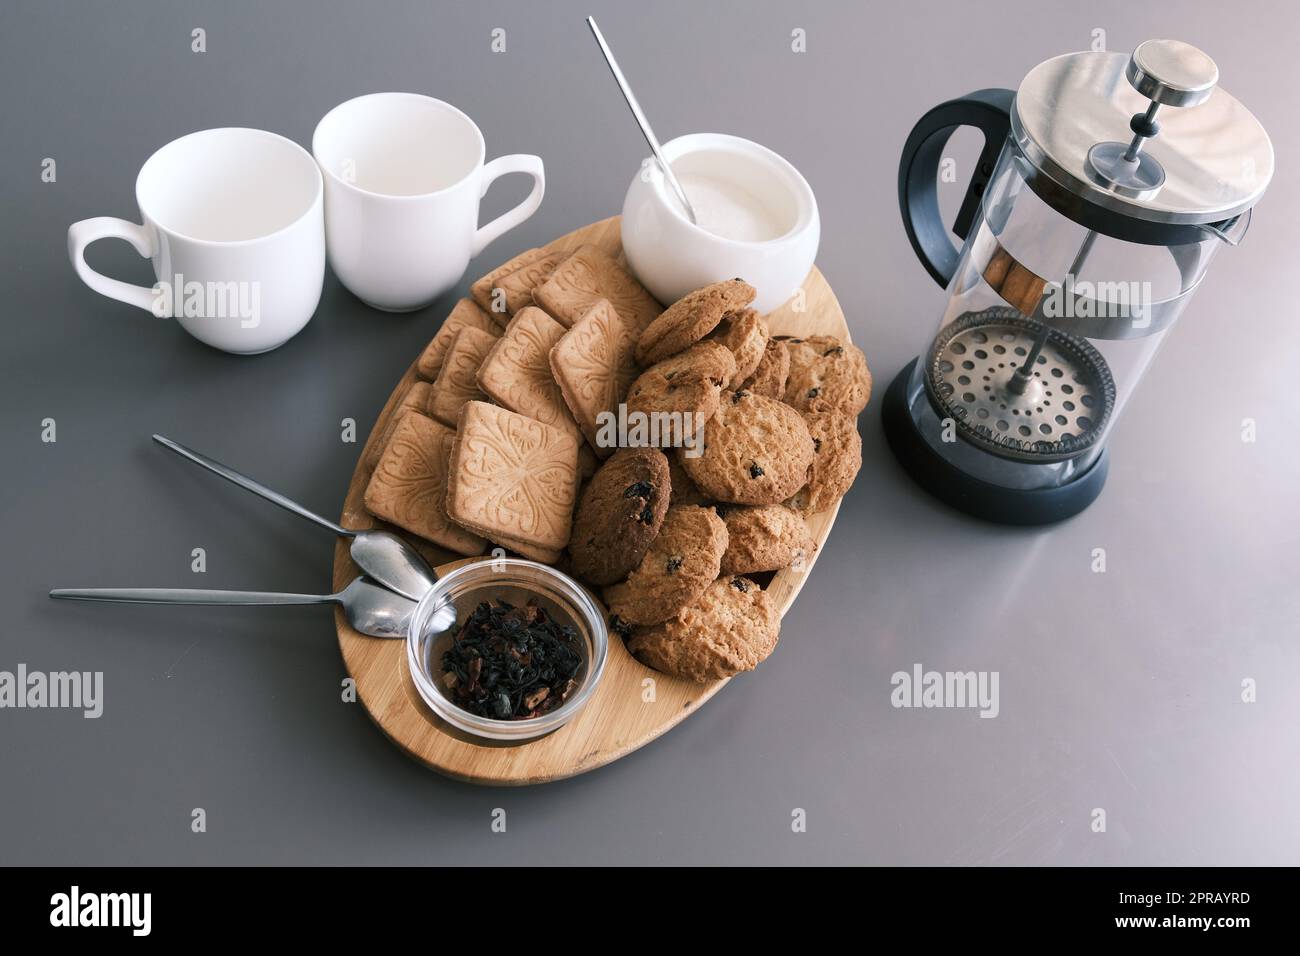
1202,163
1106,183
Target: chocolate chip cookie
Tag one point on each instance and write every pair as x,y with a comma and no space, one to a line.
688,383
756,451
765,538
681,562
827,375
685,491
745,334
620,514
732,627
836,460
773,369
691,318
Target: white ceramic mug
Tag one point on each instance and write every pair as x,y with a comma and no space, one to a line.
233,223
672,256
404,174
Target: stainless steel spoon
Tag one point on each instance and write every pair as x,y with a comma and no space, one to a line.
369,608
382,555
641,119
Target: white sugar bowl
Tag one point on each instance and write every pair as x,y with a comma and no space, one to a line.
757,220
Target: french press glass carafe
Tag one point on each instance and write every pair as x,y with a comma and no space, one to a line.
1106,183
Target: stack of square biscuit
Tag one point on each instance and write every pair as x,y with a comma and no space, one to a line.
490,443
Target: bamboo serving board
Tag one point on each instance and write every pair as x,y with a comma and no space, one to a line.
627,711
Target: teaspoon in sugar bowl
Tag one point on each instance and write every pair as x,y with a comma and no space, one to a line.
641,119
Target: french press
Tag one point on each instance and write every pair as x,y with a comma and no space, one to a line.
1105,185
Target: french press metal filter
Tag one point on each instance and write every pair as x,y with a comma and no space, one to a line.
1106,183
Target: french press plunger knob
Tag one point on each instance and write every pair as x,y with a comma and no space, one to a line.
1168,73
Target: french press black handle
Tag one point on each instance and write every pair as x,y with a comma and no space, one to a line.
988,111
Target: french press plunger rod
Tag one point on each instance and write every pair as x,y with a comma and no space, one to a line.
1168,73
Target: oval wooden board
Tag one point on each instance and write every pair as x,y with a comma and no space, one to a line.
616,720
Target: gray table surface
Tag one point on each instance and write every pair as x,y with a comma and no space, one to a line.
1120,691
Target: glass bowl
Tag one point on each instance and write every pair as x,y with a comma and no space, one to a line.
515,581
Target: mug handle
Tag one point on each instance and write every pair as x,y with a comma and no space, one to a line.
82,234
501,166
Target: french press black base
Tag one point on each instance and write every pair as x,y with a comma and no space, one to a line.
1089,220
949,483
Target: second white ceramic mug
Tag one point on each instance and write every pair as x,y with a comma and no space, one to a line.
404,174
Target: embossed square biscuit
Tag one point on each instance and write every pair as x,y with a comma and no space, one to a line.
530,551
458,380
594,363
409,485
465,313
481,290
516,288
512,289
416,399
513,477
588,276
517,372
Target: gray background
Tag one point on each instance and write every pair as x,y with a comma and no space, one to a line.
1118,690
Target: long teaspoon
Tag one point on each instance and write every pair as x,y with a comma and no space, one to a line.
369,608
381,554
